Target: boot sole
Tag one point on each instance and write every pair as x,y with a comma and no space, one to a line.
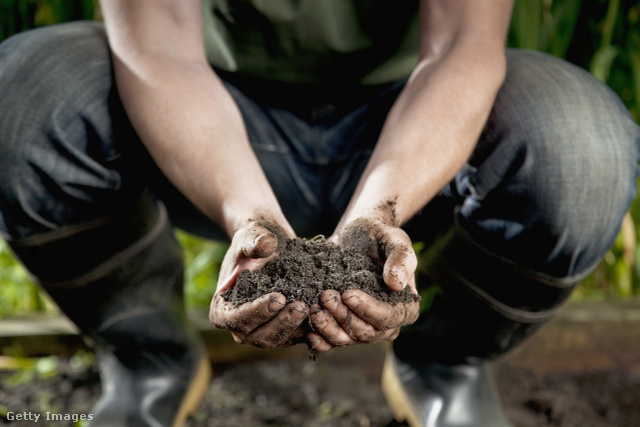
196,392
396,396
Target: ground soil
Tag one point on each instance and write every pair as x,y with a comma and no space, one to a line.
571,374
296,392
305,268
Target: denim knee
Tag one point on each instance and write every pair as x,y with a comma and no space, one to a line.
60,162
555,169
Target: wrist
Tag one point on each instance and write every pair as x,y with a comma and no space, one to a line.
382,210
237,218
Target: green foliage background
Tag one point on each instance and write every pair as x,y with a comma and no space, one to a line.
598,35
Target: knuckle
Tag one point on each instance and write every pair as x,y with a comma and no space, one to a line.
367,335
320,346
342,341
411,314
336,336
296,317
392,334
319,324
329,298
218,325
260,344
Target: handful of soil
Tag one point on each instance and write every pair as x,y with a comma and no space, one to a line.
304,268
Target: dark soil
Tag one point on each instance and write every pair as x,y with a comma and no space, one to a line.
342,391
305,268
573,373
593,398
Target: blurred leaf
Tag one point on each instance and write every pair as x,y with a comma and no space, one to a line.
18,293
21,15
633,51
558,33
604,56
613,10
82,360
636,263
526,24
44,14
601,63
12,363
622,278
203,259
47,367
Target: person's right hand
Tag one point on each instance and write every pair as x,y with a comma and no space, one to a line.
268,321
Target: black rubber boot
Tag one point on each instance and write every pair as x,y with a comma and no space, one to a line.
437,395
437,374
120,280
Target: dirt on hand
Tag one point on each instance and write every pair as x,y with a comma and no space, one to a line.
304,268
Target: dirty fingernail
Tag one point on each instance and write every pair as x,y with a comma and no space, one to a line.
330,302
352,302
262,246
400,276
274,305
264,239
297,315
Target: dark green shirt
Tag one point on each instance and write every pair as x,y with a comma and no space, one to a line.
314,41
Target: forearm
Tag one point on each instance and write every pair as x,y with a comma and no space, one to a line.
428,136
183,113
195,133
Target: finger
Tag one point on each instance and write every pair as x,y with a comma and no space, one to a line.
282,328
296,337
330,299
258,242
400,264
412,313
246,317
355,327
391,334
317,343
323,323
379,314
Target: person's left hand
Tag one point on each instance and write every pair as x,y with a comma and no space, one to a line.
356,317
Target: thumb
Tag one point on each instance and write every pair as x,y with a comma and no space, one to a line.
399,267
258,242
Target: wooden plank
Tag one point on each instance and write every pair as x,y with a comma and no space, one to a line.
578,327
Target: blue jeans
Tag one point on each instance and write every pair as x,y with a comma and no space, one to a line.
546,187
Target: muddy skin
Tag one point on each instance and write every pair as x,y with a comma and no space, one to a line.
387,211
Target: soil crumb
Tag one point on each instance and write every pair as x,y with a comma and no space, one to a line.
305,268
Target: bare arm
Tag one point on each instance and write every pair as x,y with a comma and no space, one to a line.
429,134
194,131
184,115
435,123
